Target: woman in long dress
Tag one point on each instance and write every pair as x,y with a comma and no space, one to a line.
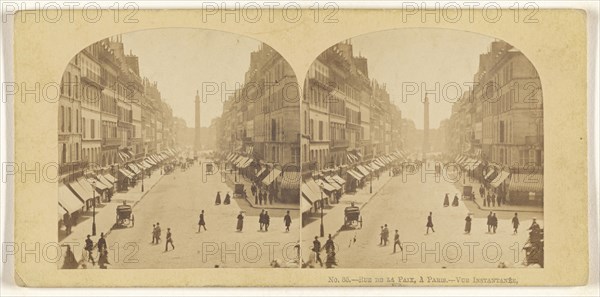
446,200
240,222
227,199
455,201
468,224
218,199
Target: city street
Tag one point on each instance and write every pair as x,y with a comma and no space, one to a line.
175,202
405,205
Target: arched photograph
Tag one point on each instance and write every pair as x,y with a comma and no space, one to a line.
422,148
179,148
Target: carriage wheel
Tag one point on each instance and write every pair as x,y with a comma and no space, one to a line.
125,221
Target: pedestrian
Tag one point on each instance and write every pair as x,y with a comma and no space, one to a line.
455,200
489,222
153,233
271,196
70,261
494,223
227,199
68,223
397,241
255,197
267,220
515,222
381,236
498,200
89,247
103,260
317,250
489,199
468,224
386,234
429,223
486,198
287,219
493,198
101,244
169,240
260,197
240,222
218,199
261,219
158,233
535,228
446,200
201,222
329,244
481,191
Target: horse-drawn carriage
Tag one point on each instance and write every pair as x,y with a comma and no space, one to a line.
468,193
352,217
124,215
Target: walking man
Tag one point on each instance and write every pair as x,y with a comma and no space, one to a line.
494,222
381,236
397,241
386,234
515,222
169,240
493,200
329,245
317,250
267,220
481,191
261,219
201,222
287,220
154,234
489,222
89,247
429,223
158,232
101,244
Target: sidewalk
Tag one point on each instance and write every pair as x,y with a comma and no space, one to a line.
505,207
247,183
333,216
106,216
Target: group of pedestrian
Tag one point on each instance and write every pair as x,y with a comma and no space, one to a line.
447,200
87,254
226,201
329,250
384,235
490,198
492,222
264,220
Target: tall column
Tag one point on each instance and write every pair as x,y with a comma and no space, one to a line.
197,140
425,127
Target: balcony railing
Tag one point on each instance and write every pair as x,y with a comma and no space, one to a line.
111,141
71,167
92,78
339,143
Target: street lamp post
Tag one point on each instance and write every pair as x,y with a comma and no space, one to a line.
371,183
322,233
94,215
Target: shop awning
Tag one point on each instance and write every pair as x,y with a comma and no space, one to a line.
110,178
491,175
143,165
85,184
363,170
315,188
99,185
68,200
379,163
500,178
128,174
338,179
331,184
61,212
134,168
80,191
150,161
290,180
246,163
355,175
374,166
308,197
331,181
261,171
271,176
526,182
104,180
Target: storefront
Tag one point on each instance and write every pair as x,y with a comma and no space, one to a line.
526,189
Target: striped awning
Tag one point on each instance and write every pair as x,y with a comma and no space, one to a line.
525,182
99,185
271,176
330,185
104,180
290,180
128,174
260,172
500,178
363,170
82,193
110,178
355,175
309,197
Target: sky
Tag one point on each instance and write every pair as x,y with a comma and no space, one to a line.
183,60
417,59
408,61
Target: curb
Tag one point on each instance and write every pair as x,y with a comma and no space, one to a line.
272,207
505,210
